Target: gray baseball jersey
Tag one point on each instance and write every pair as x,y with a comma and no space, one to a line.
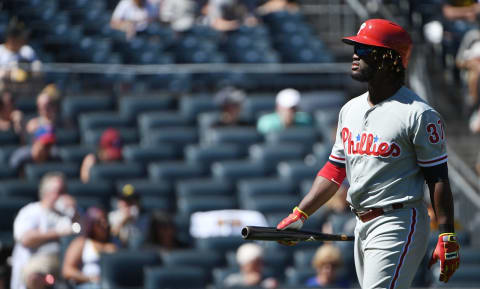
383,147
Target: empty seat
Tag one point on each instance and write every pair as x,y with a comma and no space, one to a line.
237,169
144,155
296,170
75,153
191,106
304,136
66,136
244,136
206,259
261,187
18,188
9,138
298,277
303,258
92,137
207,154
188,205
174,170
272,154
131,106
181,277
125,268
99,189
9,208
253,106
72,106
102,120
180,136
116,171
203,187
322,100
35,171
6,152
7,172
219,244
155,120
146,187
157,203
270,204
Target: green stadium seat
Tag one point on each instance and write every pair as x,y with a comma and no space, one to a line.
72,106
272,154
207,154
148,188
18,188
303,136
181,277
204,187
35,171
9,208
244,136
263,187
270,204
132,106
102,120
100,189
191,106
255,105
6,152
174,170
219,244
7,172
188,205
179,136
145,155
75,153
9,138
154,120
238,169
206,259
296,171
116,171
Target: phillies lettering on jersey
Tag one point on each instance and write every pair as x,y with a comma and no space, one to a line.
368,144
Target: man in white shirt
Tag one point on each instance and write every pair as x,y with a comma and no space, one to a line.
37,229
133,16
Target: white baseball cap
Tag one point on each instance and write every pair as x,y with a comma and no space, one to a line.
288,98
248,253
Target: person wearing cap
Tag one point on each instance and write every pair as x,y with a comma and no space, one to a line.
128,223
286,114
109,150
42,150
389,143
230,100
250,259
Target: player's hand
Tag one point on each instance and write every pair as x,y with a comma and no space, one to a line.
447,251
294,221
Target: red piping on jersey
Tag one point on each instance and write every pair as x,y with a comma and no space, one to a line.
337,158
432,161
405,248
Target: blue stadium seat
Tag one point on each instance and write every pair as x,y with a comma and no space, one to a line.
304,136
9,138
146,187
298,277
182,277
207,154
219,244
244,136
322,100
206,259
102,120
145,155
263,187
174,170
35,171
272,154
132,106
188,205
253,106
67,136
116,171
92,137
125,268
466,276
237,169
203,187
155,120
7,172
72,106
191,106
18,188
75,153
102,190
9,208
270,204
322,151
296,170
157,203
303,258
6,152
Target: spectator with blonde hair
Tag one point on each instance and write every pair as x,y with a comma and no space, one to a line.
47,106
326,262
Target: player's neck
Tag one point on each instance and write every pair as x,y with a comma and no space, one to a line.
379,90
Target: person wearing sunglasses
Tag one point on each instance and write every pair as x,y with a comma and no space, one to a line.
389,142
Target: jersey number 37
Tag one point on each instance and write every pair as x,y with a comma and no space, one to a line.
435,132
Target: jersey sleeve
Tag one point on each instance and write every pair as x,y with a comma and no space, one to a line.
337,156
429,139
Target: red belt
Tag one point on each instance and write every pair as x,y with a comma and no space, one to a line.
372,213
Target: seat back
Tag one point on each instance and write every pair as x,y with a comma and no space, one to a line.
131,106
173,277
116,171
204,187
35,171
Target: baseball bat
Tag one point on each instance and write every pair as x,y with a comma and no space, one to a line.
273,234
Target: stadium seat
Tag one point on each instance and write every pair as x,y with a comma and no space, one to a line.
132,106
75,153
125,268
188,205
263,187
148,188
116,171
237,169
67,136
72,106
244,136
322,100
181,277
272,154
207,154
191,106
270,204
98,189
304,136
145,155
92,137
253,106
35,171
297,170
155,120
174,170
9,138
9,208
179,136
470,256
157,203
204,187
466,276
303,258
18,188
102,120
84,202
206,259
6,152
7,172
219,244
298,277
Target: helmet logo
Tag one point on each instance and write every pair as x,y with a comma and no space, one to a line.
361,27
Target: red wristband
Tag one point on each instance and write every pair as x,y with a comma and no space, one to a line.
333,173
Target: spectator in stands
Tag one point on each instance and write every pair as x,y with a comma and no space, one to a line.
110,150
179,14
42,150
326,262
128,222
230,100
162,233
461,10
81,264
133,16
272,6
228,15
36,230
11,119
286,114
250,258
47,106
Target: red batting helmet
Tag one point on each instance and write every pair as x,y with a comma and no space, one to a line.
383,33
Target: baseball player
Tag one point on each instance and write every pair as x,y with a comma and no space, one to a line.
388,143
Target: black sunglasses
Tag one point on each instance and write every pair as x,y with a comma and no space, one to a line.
362,50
